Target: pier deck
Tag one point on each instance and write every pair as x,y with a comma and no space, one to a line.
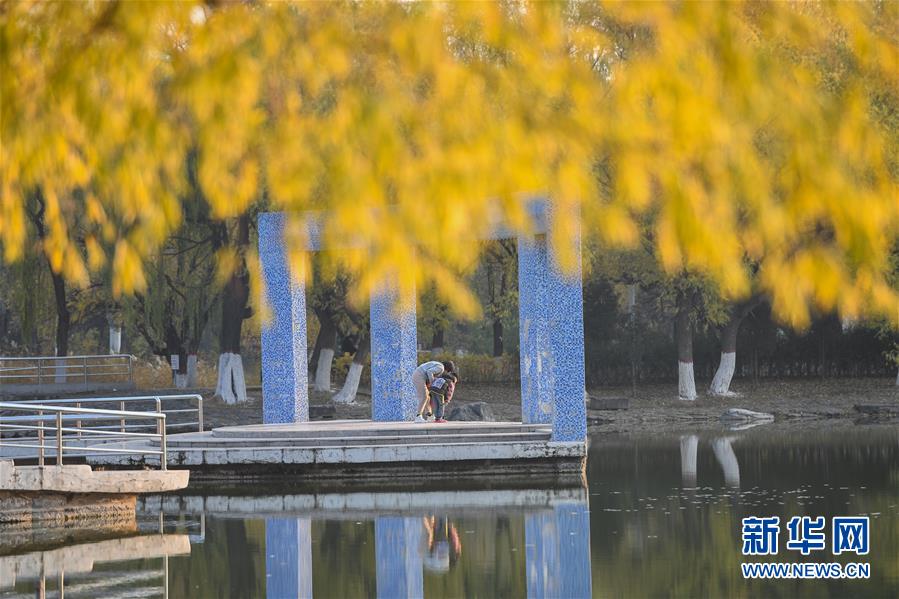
363,448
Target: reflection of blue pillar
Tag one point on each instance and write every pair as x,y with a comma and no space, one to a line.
541,555
565,299
398,556
533,331
288,558
557,556
284,385
393,358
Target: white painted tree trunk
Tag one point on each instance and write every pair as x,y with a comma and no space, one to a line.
723,376
192,370
686,384
115,339
179,380
726,457
688,447
347,394
61,370
323,370
231,385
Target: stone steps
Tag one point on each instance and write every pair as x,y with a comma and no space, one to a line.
210,441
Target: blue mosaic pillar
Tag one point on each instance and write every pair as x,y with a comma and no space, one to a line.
393,358
533,331
284,377
557,552
565,306
398,557
288,558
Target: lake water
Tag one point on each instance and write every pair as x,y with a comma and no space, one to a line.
660,516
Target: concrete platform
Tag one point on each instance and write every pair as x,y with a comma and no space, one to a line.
362,448
82,479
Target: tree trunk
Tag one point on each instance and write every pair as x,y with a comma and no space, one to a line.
63,316
632,334
328,334
351,385
231,385
192,370
115,339
437,341
63,320
497,337
175,347
725,373
683,332
179,374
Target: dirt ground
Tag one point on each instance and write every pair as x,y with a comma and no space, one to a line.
803,404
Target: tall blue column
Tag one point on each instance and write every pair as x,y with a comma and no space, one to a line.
551,341
557,557
288,558
398,554
393,358
565,302
533,331
284,377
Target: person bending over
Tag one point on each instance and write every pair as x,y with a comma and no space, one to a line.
422,378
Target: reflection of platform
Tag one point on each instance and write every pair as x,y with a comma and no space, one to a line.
80,559
367,449
338,506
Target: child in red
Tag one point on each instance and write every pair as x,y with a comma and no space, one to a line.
441,392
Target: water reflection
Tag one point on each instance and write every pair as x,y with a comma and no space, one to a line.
727,459
409,544
399,556
443,546
83,568
724,454
662,517
558,552
670,507
288,557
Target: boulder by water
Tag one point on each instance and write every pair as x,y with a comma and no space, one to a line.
472,412
743,415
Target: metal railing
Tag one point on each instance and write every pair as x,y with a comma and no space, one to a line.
157,402
53,373
75,437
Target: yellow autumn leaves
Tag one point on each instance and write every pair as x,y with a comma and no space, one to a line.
744,133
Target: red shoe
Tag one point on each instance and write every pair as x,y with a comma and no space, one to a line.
440,420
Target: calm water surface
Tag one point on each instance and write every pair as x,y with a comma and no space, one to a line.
660,517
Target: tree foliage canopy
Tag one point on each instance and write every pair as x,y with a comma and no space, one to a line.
744,131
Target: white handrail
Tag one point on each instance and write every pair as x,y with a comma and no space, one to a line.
59,411
25,374
78,357
130,398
